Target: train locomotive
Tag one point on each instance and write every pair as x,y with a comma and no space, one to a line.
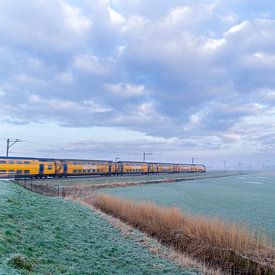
19,167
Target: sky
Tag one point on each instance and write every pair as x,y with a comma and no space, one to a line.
176,79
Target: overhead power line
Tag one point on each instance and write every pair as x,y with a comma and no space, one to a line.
10,143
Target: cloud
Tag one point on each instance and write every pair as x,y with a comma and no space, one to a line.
185,69
92,64
126,89
42,26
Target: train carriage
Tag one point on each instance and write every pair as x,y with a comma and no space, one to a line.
11,167
90,167
184,168
132,167
199,168
26,167
166,168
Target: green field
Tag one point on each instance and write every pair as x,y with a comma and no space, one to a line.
53,236
247,199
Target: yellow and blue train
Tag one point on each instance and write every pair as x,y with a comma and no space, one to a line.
19,167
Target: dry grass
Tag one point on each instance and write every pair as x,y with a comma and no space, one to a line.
227,246
146,241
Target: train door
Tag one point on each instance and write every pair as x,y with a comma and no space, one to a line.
110,168
65,167
58,168
41,170
119,168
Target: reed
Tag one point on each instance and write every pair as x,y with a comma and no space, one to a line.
231,247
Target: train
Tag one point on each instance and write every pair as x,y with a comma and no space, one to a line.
20,167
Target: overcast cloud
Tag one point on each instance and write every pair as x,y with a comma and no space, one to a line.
176,77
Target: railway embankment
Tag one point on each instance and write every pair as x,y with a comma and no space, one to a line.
85,186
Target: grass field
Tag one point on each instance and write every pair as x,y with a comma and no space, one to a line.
246,199
53,236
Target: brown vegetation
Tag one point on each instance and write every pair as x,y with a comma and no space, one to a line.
146,241
228,246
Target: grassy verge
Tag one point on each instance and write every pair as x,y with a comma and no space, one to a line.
227,246
45,235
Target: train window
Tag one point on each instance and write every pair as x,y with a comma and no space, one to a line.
50,167
89,170
19,172
84,171
93,170
11,162
19,162
98,170
3,161
26,171
26,162
79,171
75,171
11,171
2,171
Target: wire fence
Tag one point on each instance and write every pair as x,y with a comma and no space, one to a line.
41,188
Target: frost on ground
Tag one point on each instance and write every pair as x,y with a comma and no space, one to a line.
53,236
149,243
